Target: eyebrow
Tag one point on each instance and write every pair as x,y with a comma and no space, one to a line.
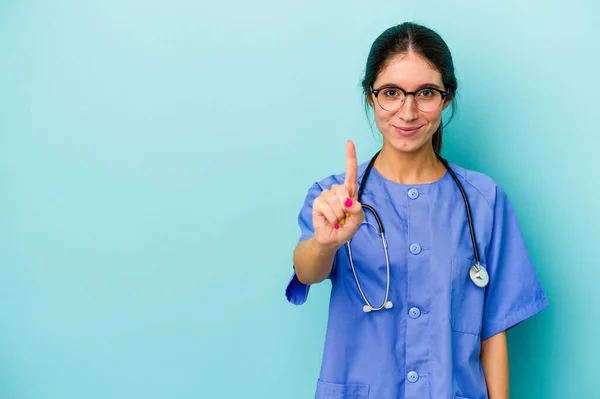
424,85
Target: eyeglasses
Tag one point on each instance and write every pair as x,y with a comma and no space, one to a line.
392,98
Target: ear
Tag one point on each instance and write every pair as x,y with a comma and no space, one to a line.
447,101
371,100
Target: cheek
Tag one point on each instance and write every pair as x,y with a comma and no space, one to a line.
382,116
382,120
433,117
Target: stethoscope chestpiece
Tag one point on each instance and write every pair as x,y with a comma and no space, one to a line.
479,275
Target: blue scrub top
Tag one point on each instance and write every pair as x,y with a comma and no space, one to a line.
428,344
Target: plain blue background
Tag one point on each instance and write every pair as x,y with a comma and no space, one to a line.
154,157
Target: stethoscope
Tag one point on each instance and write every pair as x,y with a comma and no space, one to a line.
477,272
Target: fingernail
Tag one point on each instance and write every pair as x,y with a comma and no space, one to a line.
336,226
342,221
348,203
347,214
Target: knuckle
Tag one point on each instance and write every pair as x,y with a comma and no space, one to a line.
332,200
319,205
328,194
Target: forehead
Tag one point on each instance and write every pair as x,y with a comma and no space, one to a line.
408,71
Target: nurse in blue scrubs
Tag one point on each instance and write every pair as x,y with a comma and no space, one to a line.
410,316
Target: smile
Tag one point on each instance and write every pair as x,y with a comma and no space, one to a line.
407,131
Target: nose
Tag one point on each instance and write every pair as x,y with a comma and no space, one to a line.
409,111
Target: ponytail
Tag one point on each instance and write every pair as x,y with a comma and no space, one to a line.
437,140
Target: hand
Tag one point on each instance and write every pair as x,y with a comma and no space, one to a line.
337,214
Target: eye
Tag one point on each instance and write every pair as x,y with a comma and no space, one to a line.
391,93
426,93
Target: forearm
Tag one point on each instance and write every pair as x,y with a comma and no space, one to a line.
494,361
313,261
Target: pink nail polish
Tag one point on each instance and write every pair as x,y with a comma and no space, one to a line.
348,203
336,226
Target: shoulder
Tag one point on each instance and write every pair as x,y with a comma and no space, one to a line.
479,184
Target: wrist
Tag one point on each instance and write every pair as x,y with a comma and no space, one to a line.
324,249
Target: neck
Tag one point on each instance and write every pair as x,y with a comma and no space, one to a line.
419,167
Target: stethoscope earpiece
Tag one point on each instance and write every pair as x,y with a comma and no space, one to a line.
368,308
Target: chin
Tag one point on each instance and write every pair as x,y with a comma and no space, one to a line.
408,145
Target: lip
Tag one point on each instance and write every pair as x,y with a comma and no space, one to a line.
407,131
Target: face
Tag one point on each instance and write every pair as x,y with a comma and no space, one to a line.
408,129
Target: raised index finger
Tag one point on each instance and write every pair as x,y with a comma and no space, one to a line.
351,181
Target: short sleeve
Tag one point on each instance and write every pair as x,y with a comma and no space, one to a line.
514,292
296,291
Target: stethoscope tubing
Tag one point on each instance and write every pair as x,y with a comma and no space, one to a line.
386,303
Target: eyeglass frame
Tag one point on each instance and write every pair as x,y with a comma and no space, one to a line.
406,93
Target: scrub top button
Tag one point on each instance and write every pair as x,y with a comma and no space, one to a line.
413,193
414,313
412,376
415,249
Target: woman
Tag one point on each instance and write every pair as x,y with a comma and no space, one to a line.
413,315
